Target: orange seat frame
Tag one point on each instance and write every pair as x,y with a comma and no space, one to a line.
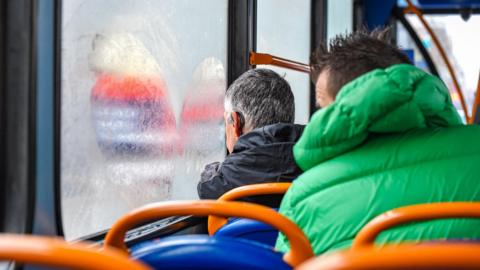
300,246
55,252
367,235
405,256
216,222
364,255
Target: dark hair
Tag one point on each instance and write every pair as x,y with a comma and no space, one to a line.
262,97
350,56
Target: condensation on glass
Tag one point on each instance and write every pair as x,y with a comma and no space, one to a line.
283,29
461,41
141,104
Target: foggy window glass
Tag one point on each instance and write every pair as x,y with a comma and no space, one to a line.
141,104
460,40
283,29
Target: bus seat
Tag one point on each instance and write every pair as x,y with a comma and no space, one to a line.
413,213
403,256
410,53
246,228
436,254
249,229
203,252
55,252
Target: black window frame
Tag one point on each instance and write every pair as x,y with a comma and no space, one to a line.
398,15
241,36
318,35
17,115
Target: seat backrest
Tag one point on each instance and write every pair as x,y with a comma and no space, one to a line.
246,228
249,229
414,213
54,252
300,246
202,252
426,255
406,256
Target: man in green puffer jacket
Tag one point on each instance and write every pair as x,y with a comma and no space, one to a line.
390,138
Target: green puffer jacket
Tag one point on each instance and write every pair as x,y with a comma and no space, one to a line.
392,138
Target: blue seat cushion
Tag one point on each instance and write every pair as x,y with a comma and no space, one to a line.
204,252
249,229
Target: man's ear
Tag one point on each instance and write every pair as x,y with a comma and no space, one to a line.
237,124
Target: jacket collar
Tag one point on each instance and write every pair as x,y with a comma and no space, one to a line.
267,135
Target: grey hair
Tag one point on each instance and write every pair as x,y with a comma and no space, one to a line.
262,97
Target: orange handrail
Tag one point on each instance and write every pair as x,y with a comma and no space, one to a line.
216,222
405,256
412,9
476,102
300,246
54,252
366,236
268,59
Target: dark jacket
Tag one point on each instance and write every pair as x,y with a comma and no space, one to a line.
263,155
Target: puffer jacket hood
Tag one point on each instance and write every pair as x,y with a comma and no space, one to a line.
393,100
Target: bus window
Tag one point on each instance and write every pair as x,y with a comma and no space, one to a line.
340,18
141,104
283,29
460,40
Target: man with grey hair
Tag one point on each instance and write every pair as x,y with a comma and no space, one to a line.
260,134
